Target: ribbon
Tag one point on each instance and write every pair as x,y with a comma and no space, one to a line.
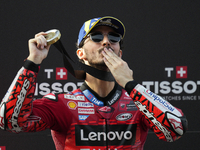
81,74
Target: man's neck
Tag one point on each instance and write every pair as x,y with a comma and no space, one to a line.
102,88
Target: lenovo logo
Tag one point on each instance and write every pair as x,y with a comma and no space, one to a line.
97,135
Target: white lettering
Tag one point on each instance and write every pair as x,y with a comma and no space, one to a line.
104,136
92,136
160,101
147,84
45,88
189,97
165,88
82,138
193,85
36,89
156,87
126,135
85,111
119,136
19,103
99,136
81,98
168,98
111,135
175,87
48,71
151,117
57,87
114,99
169,70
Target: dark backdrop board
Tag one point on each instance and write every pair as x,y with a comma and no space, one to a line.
161,46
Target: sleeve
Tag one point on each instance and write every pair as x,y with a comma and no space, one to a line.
167,121
16,106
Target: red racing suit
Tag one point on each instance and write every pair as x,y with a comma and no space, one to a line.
80,120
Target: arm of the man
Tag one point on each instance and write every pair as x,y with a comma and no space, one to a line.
167,122
16,106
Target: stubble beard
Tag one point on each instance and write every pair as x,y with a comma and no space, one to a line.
98,64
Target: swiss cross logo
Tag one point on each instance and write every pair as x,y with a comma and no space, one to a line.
61,74
2,148
181,71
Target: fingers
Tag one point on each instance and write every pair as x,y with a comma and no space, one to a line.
113,61
40,40
119,68
41,33
111,58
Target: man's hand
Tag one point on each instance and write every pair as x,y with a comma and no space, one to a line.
38,48
119,68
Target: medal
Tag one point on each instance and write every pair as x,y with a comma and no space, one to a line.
52,36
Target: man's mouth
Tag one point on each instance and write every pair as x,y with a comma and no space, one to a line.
108,47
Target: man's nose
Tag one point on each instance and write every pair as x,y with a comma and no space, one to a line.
105,41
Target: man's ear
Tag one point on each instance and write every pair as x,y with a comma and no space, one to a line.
120,53
80,53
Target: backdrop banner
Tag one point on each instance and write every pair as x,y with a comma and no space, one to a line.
161,46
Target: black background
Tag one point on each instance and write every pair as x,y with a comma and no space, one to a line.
159,34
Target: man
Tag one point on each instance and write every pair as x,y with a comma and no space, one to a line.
100,114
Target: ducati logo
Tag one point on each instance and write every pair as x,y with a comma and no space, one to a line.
124,116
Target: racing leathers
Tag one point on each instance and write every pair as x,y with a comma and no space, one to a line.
81,120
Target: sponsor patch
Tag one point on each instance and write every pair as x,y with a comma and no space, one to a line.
72,105
95,135
106,112
115,97
159,100
92,98
85,104
83,117
73,97
106,109
85,111
124,116
127,105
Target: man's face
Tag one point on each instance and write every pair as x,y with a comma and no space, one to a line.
92,50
